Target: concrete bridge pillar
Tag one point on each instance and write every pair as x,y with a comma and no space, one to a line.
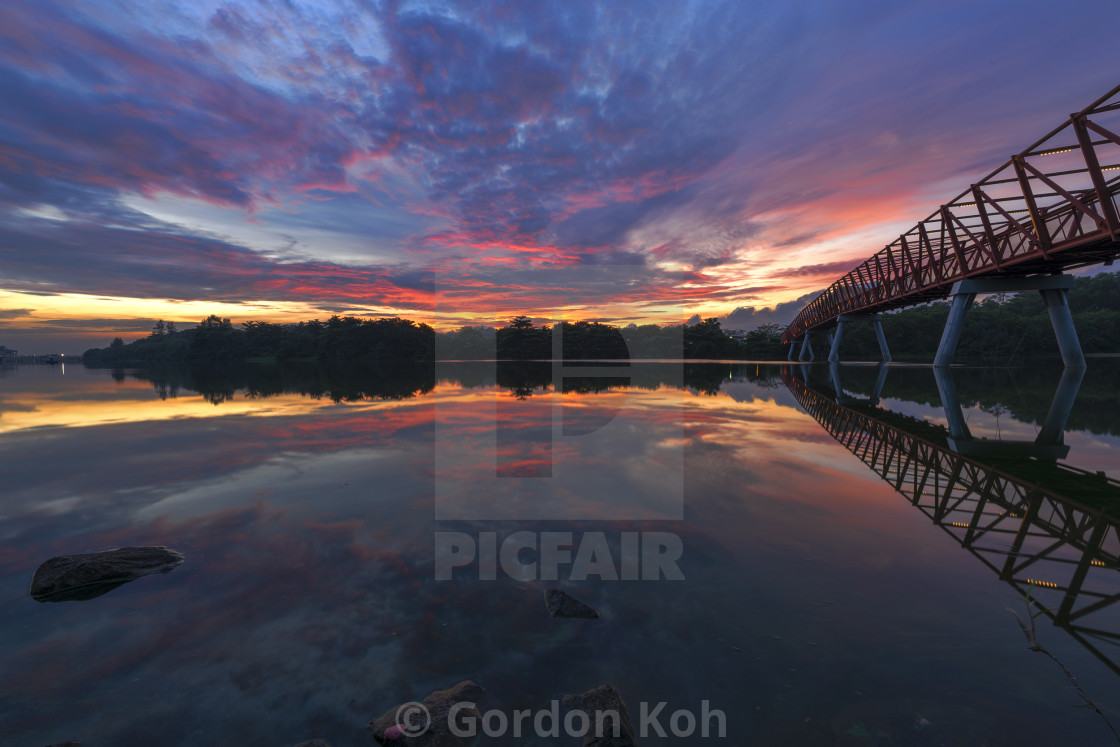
1057,305
954,325
880,380
845,319
806,348
834,373
834,353
1048,444
1054,427
951,403
881,338
792,349
1055,294
842,397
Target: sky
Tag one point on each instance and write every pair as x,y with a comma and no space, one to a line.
460,163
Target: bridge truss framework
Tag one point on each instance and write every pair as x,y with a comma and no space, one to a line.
1063,552
1050,208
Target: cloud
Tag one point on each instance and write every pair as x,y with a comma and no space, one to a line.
750,317
827,269
163,263
336,154
507,133
67,325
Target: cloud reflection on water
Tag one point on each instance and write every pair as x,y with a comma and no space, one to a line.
307,604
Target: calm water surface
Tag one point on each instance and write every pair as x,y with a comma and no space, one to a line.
819,604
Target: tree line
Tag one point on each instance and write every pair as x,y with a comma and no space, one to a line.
1001,330
217,340
370,341
1023,393
345,383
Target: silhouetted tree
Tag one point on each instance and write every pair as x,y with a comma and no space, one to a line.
522,341
216,323
765,342
215,339
708,340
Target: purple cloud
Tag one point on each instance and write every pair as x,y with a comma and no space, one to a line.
730,139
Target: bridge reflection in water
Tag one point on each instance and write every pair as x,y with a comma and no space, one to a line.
1046,528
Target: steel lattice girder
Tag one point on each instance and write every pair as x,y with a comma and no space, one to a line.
1049,208
991,513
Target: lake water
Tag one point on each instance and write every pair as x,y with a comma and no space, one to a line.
845,577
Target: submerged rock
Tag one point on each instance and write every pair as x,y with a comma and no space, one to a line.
70,578
428,726
601,700
561,604
313,743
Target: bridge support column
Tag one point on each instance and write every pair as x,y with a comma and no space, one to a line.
844,319
834,353
806,348
792,349
834,373
842,397
1054,427
951,403
1048,444
1055,294
954,325
882,339
880,380
1057,305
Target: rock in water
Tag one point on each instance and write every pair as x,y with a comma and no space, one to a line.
561,604
313,743
600,705
79,577
414,728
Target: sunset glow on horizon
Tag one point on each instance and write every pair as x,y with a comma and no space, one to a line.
455,164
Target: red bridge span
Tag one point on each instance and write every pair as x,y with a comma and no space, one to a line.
1052,207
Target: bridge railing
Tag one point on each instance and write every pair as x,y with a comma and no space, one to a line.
1063,551
1052,206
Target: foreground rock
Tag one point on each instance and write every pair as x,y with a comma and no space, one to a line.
78,577
561,604
413,728
600,700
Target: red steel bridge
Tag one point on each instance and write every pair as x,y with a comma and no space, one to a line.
1052,532
1050,208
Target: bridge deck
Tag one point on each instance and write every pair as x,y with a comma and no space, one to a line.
1052,207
